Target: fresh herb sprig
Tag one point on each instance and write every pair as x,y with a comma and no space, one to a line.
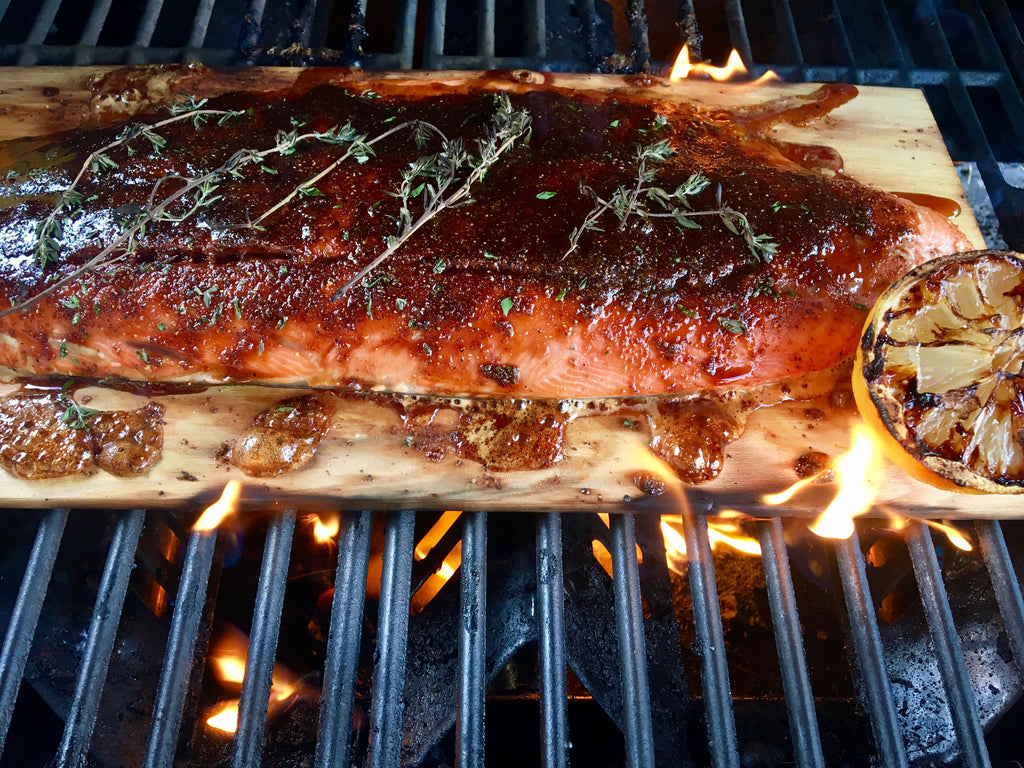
444,179
75,416
646,201
198,192
49,231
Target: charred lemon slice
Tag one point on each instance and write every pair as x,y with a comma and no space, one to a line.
938,374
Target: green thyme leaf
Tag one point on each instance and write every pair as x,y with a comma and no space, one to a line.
732,325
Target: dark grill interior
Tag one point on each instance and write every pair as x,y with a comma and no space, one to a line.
884,652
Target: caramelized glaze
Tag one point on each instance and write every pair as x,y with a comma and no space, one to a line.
485,298
39,442
128,443
35,441
284,436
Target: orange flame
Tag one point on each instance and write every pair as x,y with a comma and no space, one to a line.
858,473
898,522
734,69
224,507
434,535
324,531
956,538
723,529
228,661
436,580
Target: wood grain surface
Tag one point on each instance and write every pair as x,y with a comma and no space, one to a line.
887,138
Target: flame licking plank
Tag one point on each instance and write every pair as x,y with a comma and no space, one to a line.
220,510
858,472
723,529
734,69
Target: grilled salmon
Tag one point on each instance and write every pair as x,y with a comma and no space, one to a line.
545,243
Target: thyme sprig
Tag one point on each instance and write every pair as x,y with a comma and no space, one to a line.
49,231
359,148
444,179
198,192
646,201
75,416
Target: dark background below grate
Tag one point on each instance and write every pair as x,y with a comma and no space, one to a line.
966,56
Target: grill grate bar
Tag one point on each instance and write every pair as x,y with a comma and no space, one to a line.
25,616
92,670
485,19
302,25
639,45
472,699
91,33
386,710
714,668
259,662
803,724
342,664
252,22
629,630
1004,27
180,653
947,648
1006,199
786,25
147,25
554,714
36,36
867,644
1005,584
200,24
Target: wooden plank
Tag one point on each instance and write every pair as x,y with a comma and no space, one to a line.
886,136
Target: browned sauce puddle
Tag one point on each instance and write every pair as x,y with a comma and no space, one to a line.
45,434
941,205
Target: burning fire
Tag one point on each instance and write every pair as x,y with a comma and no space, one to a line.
228,661
324,531
898,522
438,579
859,472
734,69
723,529
220,510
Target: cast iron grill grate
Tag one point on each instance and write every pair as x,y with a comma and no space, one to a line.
865,43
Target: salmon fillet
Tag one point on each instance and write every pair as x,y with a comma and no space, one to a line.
527,286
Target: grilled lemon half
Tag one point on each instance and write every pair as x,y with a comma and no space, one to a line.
938,374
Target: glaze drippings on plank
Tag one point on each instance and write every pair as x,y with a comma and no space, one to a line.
43,438
284,436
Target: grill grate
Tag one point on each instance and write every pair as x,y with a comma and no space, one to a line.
873,48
